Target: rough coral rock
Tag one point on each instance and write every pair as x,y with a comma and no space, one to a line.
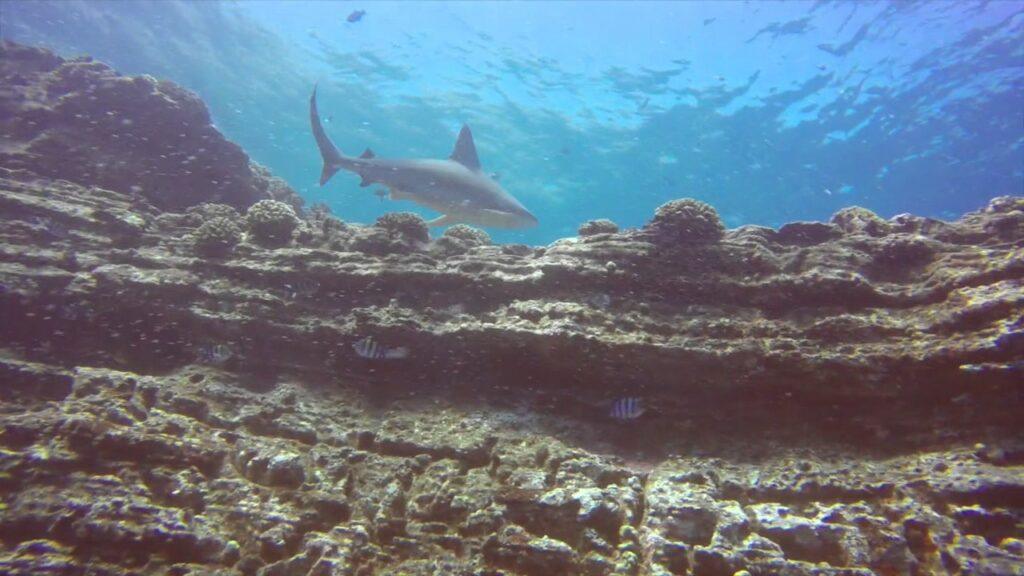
819,410
468,234
80,121
208,211
600,226
686,221
216,236
459,239
271,221
407,227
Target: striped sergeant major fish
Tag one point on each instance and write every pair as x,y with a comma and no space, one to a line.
628,408
371,349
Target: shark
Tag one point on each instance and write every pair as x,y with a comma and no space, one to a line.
456,187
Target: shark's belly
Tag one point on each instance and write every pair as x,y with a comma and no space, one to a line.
446,195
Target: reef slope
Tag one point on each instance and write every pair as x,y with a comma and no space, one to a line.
180,392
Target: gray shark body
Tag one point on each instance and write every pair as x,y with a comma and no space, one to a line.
456,187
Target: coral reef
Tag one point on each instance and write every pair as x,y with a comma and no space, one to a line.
407,227
216,236
207,211
684,222
461,238
271,222
827,399
600,226
80,121
468,234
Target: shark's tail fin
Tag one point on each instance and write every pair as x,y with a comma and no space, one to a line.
333,159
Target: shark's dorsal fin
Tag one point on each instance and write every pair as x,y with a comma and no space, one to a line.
367,154
465,150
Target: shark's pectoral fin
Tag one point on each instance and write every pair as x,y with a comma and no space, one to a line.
443,220
365,181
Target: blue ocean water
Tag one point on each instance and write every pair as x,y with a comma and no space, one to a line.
770,111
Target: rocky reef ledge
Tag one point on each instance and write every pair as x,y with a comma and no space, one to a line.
181,394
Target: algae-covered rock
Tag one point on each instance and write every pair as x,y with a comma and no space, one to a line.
857,220
209,210
814,395
79,120
461,238
806,233
408,227
271,221
599,226
514,548
1005,204
468,234
216,236
377,242
903,250
686,221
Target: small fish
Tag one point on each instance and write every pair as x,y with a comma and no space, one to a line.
456,309
370,348
629,408
49,227
381,193
215,354
74,311
302,287
356,16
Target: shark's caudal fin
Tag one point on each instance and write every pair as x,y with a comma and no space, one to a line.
333,159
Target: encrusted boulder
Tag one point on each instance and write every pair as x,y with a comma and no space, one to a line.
216,236
806,233
271,222
407,227
284,469
902,251
857,220
599,226
468,234
685,222
209,210
460,238
79,120
513,548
